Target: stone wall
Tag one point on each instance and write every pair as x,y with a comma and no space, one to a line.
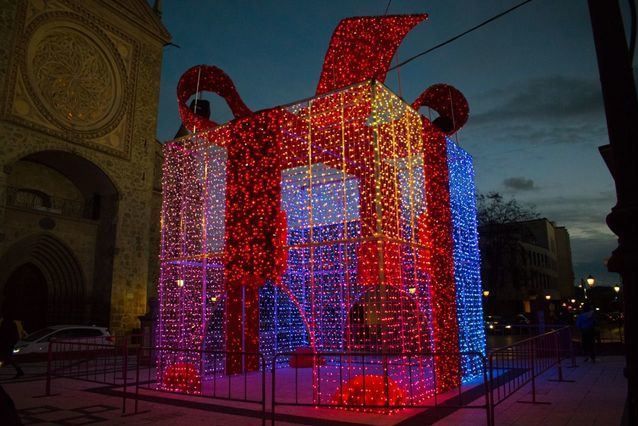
155,234
118,46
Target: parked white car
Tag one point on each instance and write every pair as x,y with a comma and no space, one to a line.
38,342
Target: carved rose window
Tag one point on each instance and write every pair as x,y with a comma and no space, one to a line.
73,77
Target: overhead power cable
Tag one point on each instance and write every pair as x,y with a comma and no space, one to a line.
387,7
458,36
632,31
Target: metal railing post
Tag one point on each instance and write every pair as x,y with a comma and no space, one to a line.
273,392
124,374
571,348
436,389
340,379
137,376
316,364
558,358
263,390
386,382
410,377
486,387
533,359
47,389
490,401
363,370
246,362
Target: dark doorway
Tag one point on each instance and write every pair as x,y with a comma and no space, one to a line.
25,297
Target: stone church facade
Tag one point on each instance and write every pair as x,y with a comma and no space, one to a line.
79,162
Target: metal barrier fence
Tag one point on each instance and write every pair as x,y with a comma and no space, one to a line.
528,330
102,360
96,360
185,366
503,372
514,366
374,375
608,331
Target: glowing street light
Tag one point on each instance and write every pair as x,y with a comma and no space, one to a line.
590,280
547,297
486,293
617,290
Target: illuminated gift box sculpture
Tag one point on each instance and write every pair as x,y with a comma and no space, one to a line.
343,223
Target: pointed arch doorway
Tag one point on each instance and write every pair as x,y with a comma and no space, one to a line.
42,282
25,296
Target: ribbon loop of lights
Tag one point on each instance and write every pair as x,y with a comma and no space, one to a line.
345,223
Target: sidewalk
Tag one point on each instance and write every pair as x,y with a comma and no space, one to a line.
596,397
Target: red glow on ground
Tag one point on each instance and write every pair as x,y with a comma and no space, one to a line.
371,391
182,377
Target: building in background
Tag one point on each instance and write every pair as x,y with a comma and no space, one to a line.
79,90
526,266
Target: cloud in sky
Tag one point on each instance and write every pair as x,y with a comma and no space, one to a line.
519,184
548,110
548,99
575,207
547,129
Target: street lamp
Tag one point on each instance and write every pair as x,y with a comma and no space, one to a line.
617,290
486,303
590,280
548,296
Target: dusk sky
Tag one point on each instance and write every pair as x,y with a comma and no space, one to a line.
531,79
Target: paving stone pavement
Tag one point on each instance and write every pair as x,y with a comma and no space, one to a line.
595,397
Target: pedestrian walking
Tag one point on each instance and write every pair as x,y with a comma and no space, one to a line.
10,332
586,323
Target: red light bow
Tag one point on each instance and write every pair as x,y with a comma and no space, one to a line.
212,79
449,103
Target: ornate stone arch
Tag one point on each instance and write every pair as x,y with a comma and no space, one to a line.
58,264
95,159
100,204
